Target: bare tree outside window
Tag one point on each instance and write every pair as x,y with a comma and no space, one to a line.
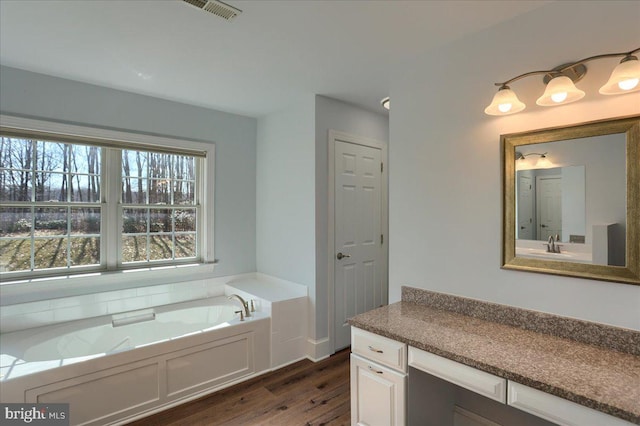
52,207
49,205
159,207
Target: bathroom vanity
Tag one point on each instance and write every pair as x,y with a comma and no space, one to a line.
489,364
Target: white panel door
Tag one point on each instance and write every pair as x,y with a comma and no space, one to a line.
549,189
359,282
525,209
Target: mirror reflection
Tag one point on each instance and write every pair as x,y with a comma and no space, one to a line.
550,202
571,200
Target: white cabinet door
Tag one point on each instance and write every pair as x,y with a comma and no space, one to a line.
377,394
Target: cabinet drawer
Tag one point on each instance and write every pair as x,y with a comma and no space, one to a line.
380,349
558,410
485,384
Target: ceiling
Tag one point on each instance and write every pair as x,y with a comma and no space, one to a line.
273,55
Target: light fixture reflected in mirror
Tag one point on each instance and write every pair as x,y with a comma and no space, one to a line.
385,103
561,89
539,162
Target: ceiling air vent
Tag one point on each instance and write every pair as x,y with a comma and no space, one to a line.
216,7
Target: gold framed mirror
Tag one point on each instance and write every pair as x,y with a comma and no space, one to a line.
571,200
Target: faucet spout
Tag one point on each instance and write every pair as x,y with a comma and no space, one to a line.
245,305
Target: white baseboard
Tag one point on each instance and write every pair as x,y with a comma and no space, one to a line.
318,349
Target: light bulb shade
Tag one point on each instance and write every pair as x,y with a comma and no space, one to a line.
504,102
524,164
543,163
625,78
560,90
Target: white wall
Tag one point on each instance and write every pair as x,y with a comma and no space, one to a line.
292,193
50,98
574,202
445,189
332,114
285,240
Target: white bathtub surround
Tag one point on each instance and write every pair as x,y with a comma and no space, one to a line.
112,375
287,304
149,348
20,316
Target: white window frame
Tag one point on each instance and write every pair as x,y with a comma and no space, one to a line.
116,276
114,258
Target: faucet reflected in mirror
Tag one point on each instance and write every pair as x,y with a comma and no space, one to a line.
552,247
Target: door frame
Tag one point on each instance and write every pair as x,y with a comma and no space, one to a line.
538,198
338,136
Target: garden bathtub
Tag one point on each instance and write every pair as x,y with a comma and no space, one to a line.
113,369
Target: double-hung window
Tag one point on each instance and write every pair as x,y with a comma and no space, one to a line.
159,208
72,204
50,209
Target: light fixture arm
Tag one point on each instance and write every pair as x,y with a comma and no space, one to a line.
520,156
567,67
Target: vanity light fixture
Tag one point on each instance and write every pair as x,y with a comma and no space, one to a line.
560,90
385,103
505,102
561,80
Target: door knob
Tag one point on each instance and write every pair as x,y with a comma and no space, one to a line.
341,256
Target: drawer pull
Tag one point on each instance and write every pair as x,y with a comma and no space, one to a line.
371,348
374,370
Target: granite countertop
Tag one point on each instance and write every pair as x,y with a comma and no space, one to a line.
594,376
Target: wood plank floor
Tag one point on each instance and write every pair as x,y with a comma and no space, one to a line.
304,393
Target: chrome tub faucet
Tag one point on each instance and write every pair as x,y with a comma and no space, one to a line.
245,305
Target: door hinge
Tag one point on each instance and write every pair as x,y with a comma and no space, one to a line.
381,238
381,167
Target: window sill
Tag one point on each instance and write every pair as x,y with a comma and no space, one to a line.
45,288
